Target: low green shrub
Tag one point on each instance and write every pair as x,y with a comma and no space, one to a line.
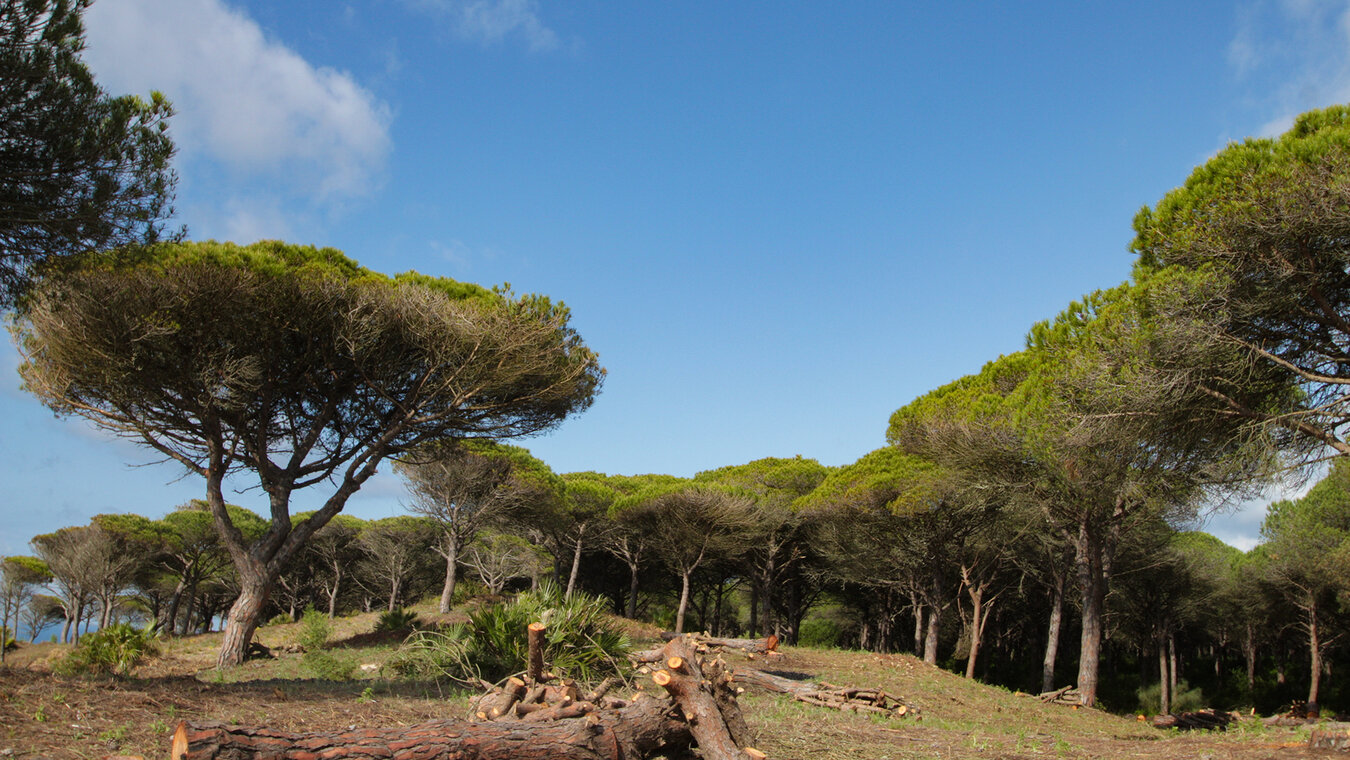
398,620
328,665
1184,700
114,650
314,629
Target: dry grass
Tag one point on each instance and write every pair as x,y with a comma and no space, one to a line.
42,715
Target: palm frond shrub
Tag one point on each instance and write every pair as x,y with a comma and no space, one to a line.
581,641
114,650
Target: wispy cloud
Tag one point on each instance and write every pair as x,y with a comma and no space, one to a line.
492,21
245,101
1294,55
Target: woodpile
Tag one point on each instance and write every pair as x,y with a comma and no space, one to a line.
1065,696
529,718
1200,719
821,694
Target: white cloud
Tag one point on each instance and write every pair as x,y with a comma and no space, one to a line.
491,21
241,99
1295,54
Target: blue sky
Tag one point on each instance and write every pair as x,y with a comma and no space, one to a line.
777,223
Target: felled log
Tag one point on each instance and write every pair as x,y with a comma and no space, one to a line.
1200,719
755,646
821,694
640,729
717,737
495,704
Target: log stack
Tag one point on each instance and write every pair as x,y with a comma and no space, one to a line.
1066,696
525,719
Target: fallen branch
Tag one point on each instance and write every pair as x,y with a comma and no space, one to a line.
703,642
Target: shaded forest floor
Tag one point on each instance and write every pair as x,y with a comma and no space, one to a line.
47,716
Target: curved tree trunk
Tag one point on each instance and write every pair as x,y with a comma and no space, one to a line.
684,601
243,619
576,566
1052,635
632,590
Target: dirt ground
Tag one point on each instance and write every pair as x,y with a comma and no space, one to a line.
47,716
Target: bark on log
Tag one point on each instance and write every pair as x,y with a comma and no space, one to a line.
639,730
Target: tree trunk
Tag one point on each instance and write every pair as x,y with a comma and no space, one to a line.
633,568
753,627
977,618
1249,654
1172,660
684,601
1088,562
918,622
576,566
930,644
191,607
334,590
243,619
395,585
1164,682
1315,655
1052,635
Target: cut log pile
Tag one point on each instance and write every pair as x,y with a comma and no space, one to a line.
525,719
1200,719
845,698
1065,696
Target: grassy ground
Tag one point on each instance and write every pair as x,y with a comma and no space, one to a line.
48,716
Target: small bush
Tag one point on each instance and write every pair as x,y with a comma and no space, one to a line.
1184,700
397,620
327,665
114,650
314,630
821,633
279,619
